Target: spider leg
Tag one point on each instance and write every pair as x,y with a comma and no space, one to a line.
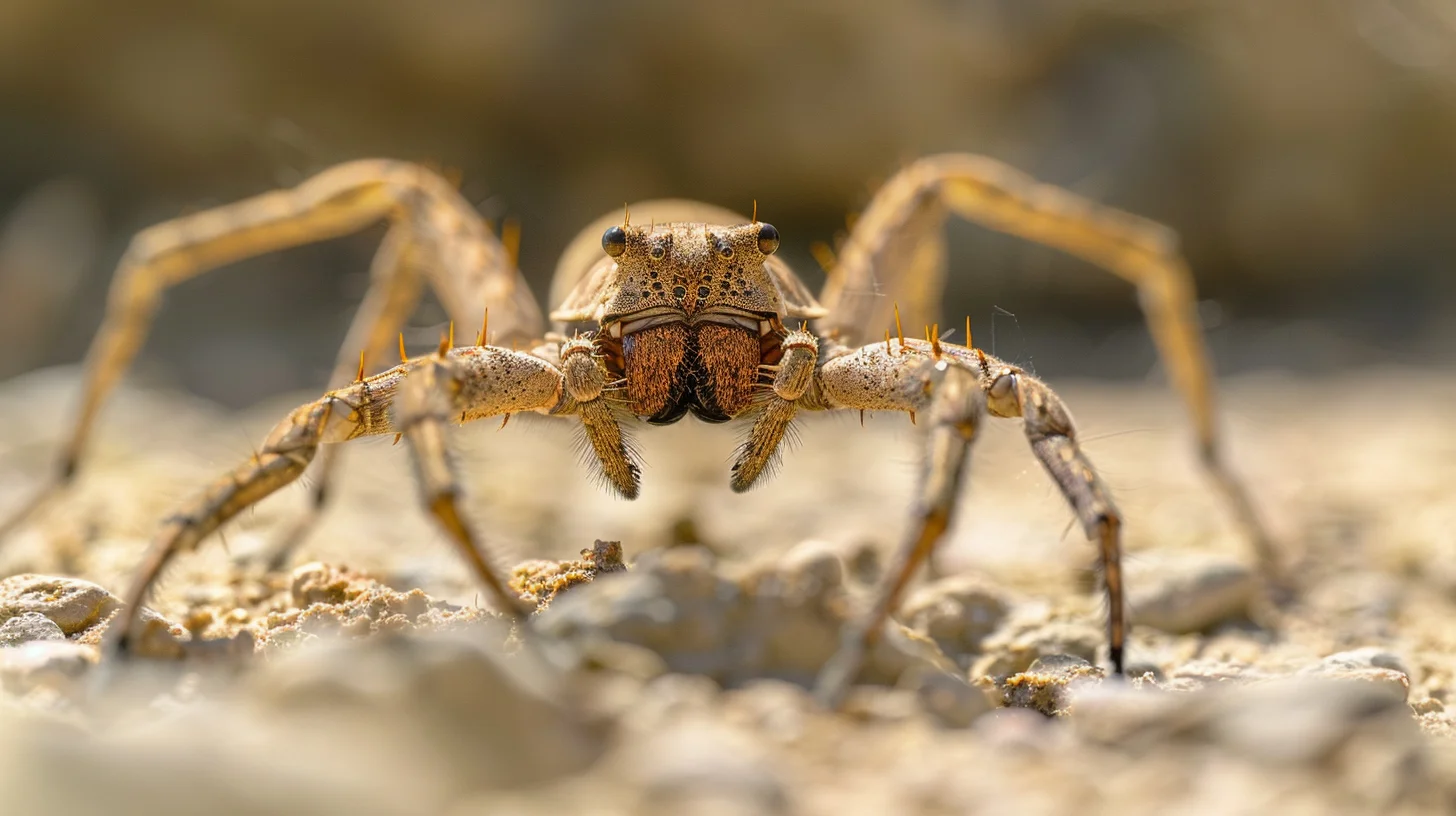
957,386
1012,392
895,253
950,397
467,266
414,399
394,290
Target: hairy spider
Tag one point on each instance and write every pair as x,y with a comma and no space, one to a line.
694,314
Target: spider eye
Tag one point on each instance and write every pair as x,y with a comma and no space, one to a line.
725,249
614,241
768,239
658,252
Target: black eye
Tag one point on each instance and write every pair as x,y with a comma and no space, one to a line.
768,239
614,241
725,249
658,252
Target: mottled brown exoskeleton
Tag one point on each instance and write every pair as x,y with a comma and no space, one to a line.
692,313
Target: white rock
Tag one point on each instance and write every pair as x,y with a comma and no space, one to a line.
27,627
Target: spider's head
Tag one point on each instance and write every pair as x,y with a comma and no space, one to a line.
691,269
693,310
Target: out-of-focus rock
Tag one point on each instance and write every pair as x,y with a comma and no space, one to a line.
317,582
1371,665
27,627
858,561
54,664
672,602
1366,603
1358,731
331,600
1199,673
705,767
1019,729
458,706
82,611
768,622
74,605
958,613
1314,733
1188,592
1030,633
670,698
205,760
1369,657
882,705
779,710
948,698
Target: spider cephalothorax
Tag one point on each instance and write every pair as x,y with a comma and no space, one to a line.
694,314
687,315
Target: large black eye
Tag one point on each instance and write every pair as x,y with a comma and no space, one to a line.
614,241
768,239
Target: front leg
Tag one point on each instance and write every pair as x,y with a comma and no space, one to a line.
1012,392
957,386
414,399
948,394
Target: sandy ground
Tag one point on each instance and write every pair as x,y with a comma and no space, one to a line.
676,687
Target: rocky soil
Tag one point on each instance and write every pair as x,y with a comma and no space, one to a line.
665,669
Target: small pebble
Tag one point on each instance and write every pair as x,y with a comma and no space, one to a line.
947,698
1185,594
958,613
27,627
1016,646
1369,657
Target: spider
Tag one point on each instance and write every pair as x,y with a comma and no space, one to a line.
693,313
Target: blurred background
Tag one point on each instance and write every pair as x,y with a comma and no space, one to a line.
1305,150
